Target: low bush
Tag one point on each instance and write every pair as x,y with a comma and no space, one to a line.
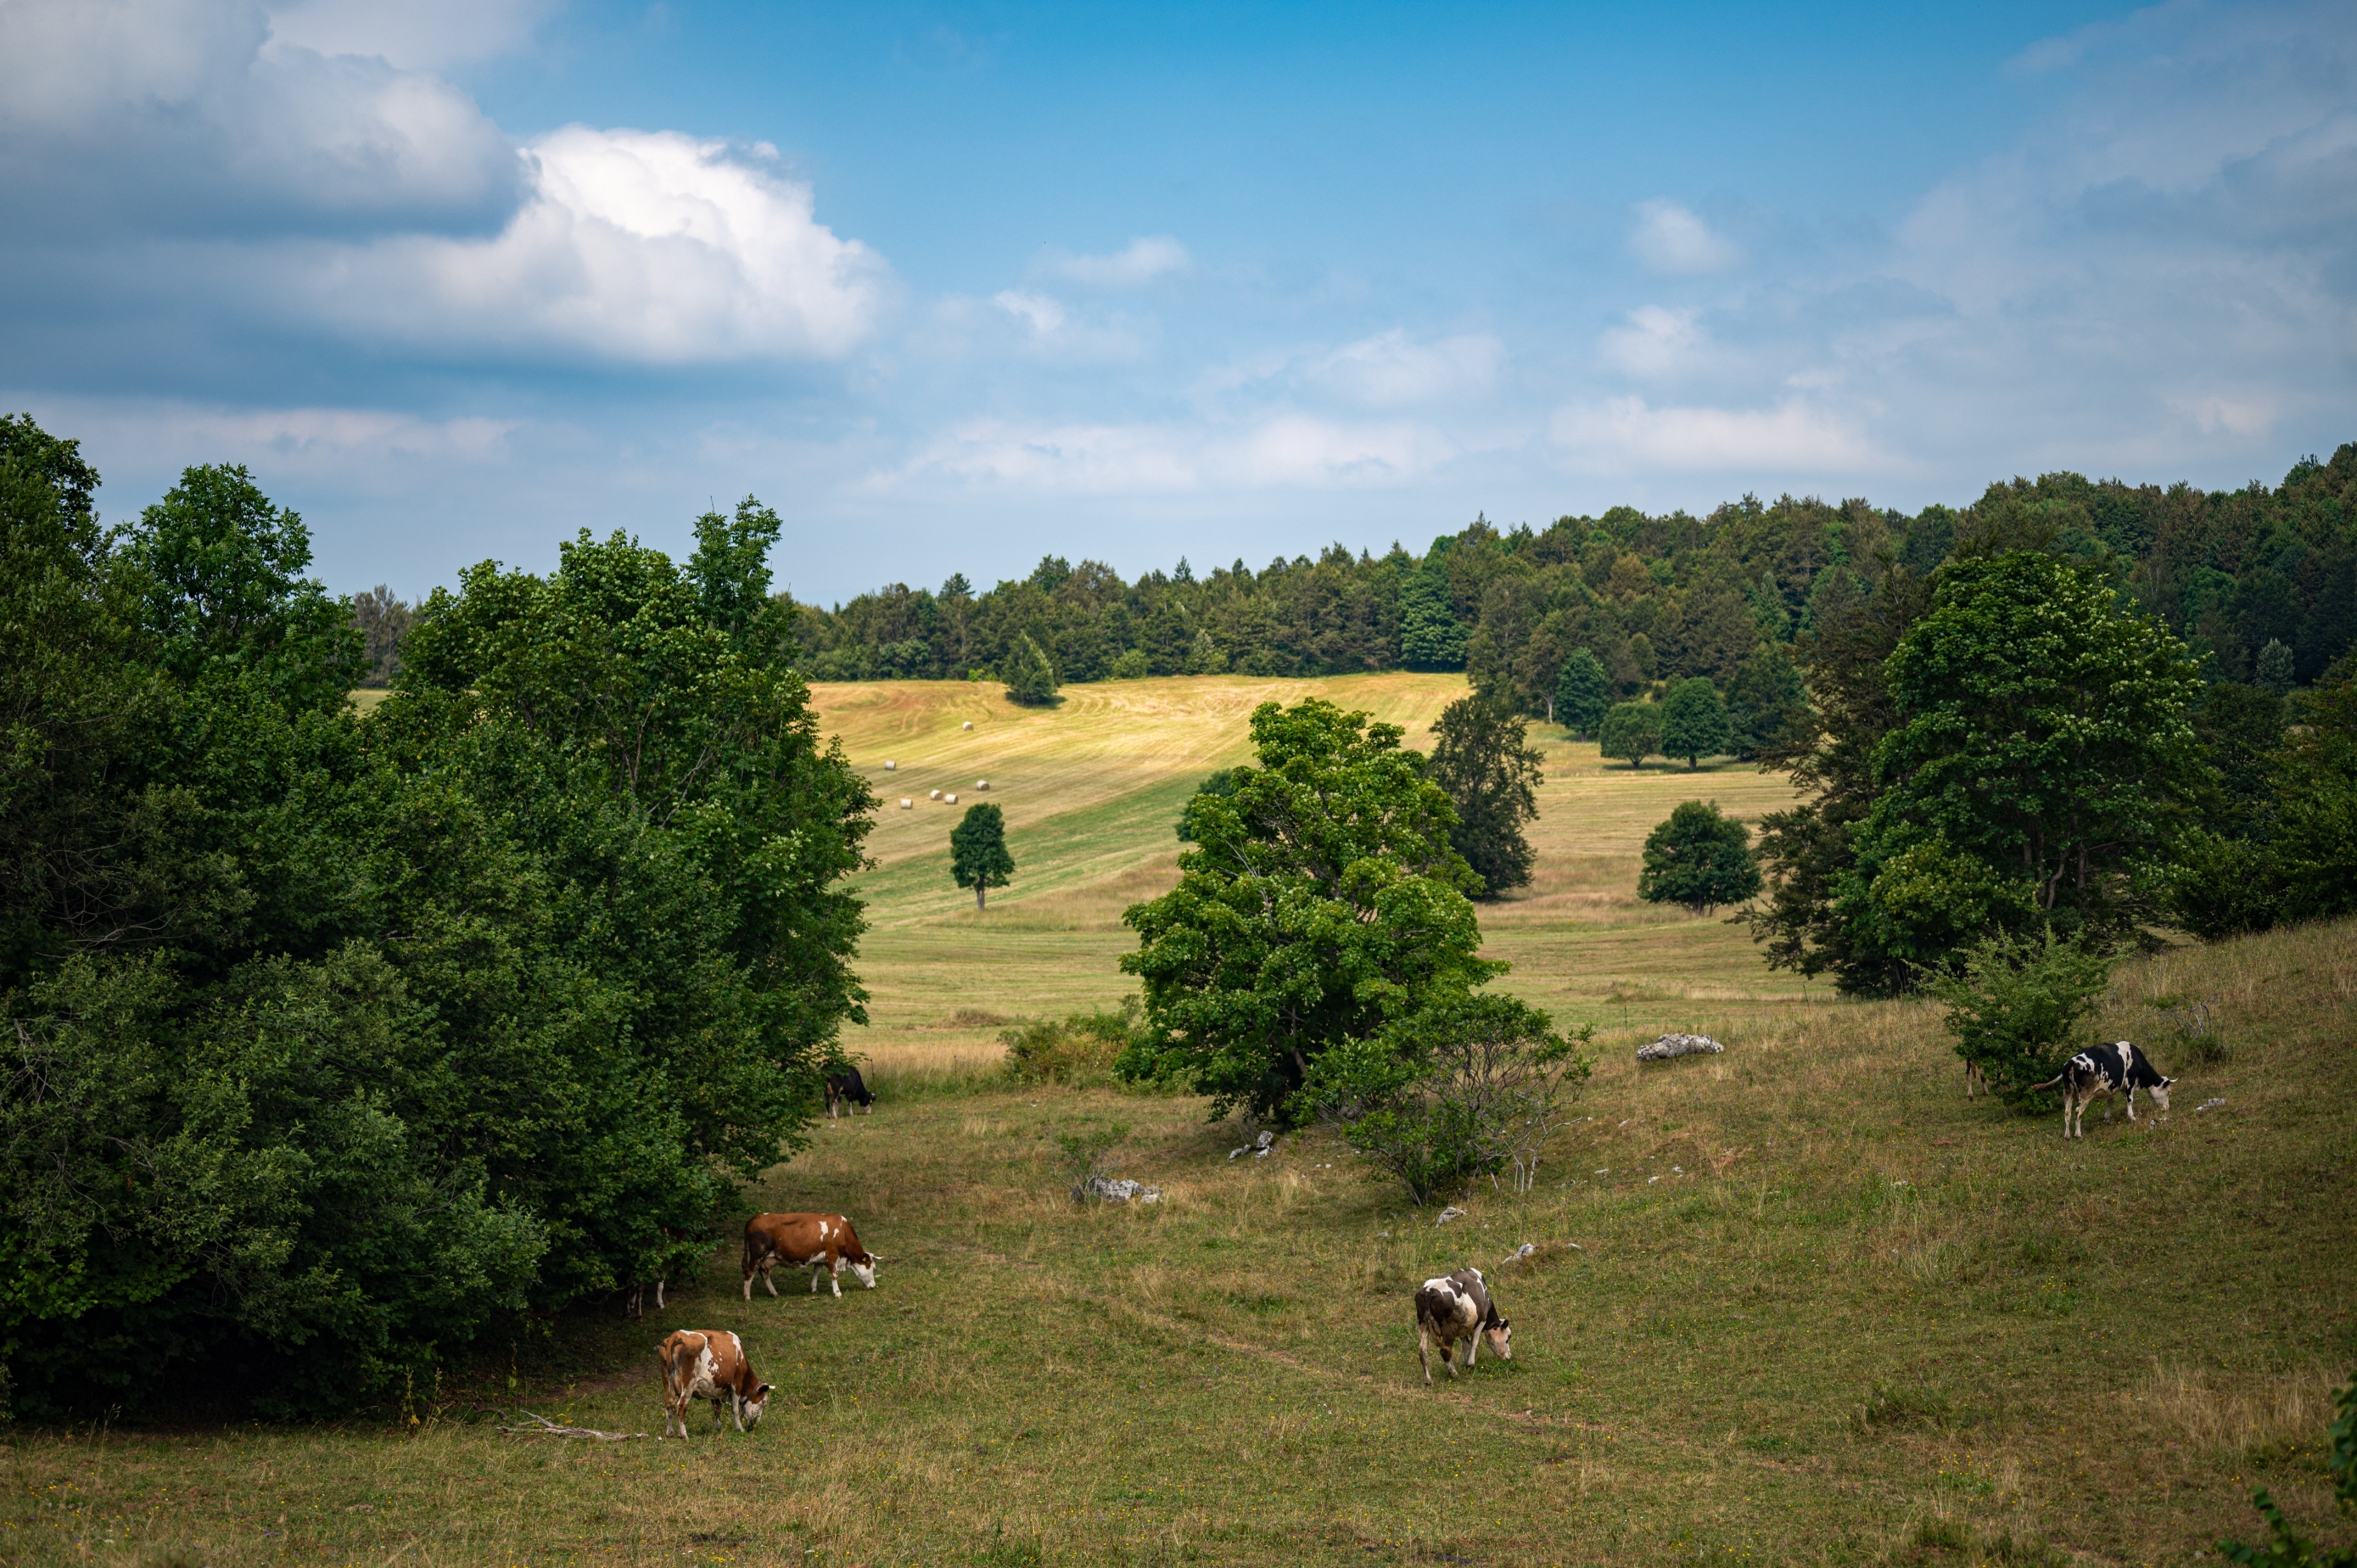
1077,1049
2016,1003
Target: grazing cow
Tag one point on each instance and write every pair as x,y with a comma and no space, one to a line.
2103,1070
1458,1306
709,1365
844,1088
823,1243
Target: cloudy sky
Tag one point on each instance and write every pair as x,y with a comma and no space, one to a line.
956,285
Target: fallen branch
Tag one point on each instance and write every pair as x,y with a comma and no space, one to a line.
548,1428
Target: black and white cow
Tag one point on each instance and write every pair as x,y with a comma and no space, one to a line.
1458,1306
844,1088
2105,1069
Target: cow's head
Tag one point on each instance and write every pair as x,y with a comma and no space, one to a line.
862,1268
2159,1092
756,1402
1502,1338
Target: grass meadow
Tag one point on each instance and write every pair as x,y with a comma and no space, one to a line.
1799,1303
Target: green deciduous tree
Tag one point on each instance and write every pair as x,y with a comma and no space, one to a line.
1029,674
1479,758
1323,901
2042,750
1694,722
1583,693
1632,730
1698,859
978,854
1766,705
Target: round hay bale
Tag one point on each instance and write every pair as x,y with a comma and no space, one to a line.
982,783
950,799
907,804
969,724
934,795
889,765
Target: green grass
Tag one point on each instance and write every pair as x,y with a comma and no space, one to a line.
1820,1310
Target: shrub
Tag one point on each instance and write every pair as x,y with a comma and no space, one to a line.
1085,1158
1075,1049
2016,1003
1465,1088
1632,731
1700,859
2218,887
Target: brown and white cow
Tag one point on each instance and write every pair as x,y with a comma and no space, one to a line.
699,1364
1458,1306
823,1243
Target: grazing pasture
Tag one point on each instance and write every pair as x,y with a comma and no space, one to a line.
1798,1303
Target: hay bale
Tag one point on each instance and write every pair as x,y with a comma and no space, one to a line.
982,783
969,724
907,804
889,765
949,800
934,795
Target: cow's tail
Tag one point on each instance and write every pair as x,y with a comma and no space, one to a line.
2048,1084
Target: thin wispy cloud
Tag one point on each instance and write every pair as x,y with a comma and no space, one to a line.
1668,237
1139,262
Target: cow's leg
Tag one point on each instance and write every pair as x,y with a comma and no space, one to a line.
1423,1350
736,1409
2132,1102
816,1270
834,1276
658,1290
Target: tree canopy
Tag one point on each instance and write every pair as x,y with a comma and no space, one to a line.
1631,731
338,1041
1694,722
1322,900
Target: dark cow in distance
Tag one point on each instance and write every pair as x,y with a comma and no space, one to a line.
1458,1306
823,1243
844,1088
2106,1069
708,1365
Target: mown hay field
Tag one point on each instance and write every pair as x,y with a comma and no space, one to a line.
1798,1303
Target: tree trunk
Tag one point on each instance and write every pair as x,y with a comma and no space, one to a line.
977,895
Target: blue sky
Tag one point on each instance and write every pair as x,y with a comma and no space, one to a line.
953,286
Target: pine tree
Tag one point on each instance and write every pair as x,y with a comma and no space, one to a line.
1582,693
1029,674
1766,702
978,857
1694,722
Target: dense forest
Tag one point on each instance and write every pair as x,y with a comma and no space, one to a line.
1653,598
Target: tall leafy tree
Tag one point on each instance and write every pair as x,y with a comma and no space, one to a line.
1583,693
1323,901
979,857
2043,747
1480,756
1767,703
1694,722
1431,637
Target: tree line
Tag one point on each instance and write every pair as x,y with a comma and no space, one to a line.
336,1041
1651,599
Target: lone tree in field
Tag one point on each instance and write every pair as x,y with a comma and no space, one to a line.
1698,859
1632,730
1582,693
1482,760
1030,673
1322,903
1694,722
978,857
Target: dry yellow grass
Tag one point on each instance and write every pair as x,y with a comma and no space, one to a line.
1092,788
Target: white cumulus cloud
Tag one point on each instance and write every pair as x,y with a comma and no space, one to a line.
1044,313
1392,370
644,246
1656,343
1670,238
